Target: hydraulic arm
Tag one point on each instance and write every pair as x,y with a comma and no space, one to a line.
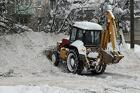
109,39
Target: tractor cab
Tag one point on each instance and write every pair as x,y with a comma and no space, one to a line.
89,33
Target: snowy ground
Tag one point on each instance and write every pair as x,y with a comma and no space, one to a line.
25,69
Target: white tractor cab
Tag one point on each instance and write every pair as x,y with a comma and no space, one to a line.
81,50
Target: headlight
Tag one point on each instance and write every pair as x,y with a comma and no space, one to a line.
83,50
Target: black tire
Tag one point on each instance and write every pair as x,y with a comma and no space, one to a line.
55,58
100,69
73,63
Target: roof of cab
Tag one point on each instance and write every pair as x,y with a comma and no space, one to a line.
87,25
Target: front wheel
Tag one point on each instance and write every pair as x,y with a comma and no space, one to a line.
55,58
73,63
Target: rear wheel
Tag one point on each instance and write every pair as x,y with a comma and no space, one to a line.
73,63
55,58
99,69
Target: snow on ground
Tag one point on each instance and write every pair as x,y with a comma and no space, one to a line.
25,69
36,89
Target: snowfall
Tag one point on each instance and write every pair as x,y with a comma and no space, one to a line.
24,68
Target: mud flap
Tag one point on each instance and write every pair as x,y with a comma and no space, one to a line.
110,57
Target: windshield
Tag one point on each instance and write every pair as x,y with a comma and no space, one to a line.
92,37
88,37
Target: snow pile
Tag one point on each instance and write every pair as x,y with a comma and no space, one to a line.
136,49
22,54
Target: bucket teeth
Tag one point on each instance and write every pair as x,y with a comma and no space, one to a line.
117,58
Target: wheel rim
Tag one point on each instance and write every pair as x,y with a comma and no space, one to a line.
53,58
71,62
99,67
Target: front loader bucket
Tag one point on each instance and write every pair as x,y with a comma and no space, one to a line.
48,53
110,57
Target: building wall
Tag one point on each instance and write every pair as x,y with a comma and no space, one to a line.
137,25
137,32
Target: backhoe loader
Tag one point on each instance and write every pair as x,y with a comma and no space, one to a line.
89,47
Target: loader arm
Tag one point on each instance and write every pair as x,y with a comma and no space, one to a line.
109,35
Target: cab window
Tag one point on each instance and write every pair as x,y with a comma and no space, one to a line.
79,35
73,34
92,37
